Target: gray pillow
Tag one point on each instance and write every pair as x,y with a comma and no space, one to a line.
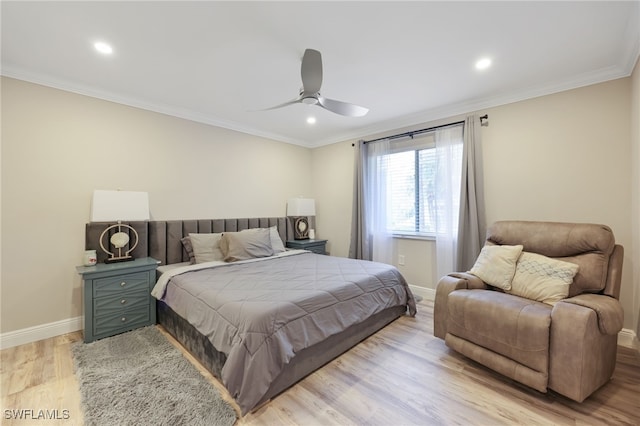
245,245
206,247
186,243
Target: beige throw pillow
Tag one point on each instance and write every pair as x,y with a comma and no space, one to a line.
496,265
206,247
542,278
246,244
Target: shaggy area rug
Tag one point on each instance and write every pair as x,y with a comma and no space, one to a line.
139,378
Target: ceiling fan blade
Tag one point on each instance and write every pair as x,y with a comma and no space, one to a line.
311,71
292,101
342,108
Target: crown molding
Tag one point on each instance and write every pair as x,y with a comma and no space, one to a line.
425,116
45,80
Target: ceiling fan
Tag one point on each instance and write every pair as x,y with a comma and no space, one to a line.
311,73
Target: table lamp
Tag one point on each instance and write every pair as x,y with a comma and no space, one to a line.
116,206
299,209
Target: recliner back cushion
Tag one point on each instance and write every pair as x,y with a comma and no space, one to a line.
587,245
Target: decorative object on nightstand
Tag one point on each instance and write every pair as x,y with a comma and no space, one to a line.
89,258
116,206
117,297
316,246
299,210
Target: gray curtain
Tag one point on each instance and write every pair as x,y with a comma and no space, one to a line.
471,222
370,239
360,246
471,225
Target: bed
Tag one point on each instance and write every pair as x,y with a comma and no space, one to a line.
262,323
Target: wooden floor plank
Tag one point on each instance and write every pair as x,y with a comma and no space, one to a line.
401,375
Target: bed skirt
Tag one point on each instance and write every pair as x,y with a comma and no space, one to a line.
302,364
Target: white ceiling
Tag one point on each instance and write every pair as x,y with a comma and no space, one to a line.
409,62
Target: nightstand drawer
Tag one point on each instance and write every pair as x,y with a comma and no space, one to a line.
120,321
315,246
114,285
319,248
119,302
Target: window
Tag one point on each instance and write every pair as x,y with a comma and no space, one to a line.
410,172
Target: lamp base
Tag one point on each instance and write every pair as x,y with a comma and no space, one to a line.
118,259
300,228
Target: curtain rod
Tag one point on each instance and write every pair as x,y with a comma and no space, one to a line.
417,132
414,132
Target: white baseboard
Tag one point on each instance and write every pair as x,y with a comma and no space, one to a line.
39,332
628,338
427,293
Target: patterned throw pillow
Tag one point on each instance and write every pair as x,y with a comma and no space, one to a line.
496,265
542,278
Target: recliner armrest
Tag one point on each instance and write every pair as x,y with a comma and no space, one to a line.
447,284
608,310
582,356
472,282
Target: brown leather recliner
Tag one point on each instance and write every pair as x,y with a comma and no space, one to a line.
569,347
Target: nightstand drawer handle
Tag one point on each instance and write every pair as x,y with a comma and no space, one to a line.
123,283
124,319
123,301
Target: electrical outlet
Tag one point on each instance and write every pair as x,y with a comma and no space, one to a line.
401,259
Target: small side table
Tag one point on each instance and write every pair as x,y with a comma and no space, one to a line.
316,246
117,297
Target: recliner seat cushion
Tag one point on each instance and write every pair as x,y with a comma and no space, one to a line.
512,326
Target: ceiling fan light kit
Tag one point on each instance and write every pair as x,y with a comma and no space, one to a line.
311,73
309,100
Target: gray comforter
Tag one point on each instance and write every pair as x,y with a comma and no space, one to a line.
261,313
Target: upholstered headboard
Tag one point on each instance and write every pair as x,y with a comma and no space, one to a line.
161,239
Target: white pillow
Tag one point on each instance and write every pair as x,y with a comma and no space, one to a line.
542,278
206,247
276,241
496,265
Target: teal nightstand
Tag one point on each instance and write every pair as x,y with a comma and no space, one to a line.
117,297
316,246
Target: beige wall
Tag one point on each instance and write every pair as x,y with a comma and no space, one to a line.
562,157
57,147
565,157
332,177
635,194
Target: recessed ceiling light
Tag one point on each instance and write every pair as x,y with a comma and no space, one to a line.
103,48
311,120
483,64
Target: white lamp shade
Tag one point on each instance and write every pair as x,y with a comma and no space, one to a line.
111,206
301,207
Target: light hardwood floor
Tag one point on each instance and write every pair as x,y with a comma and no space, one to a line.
400,376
